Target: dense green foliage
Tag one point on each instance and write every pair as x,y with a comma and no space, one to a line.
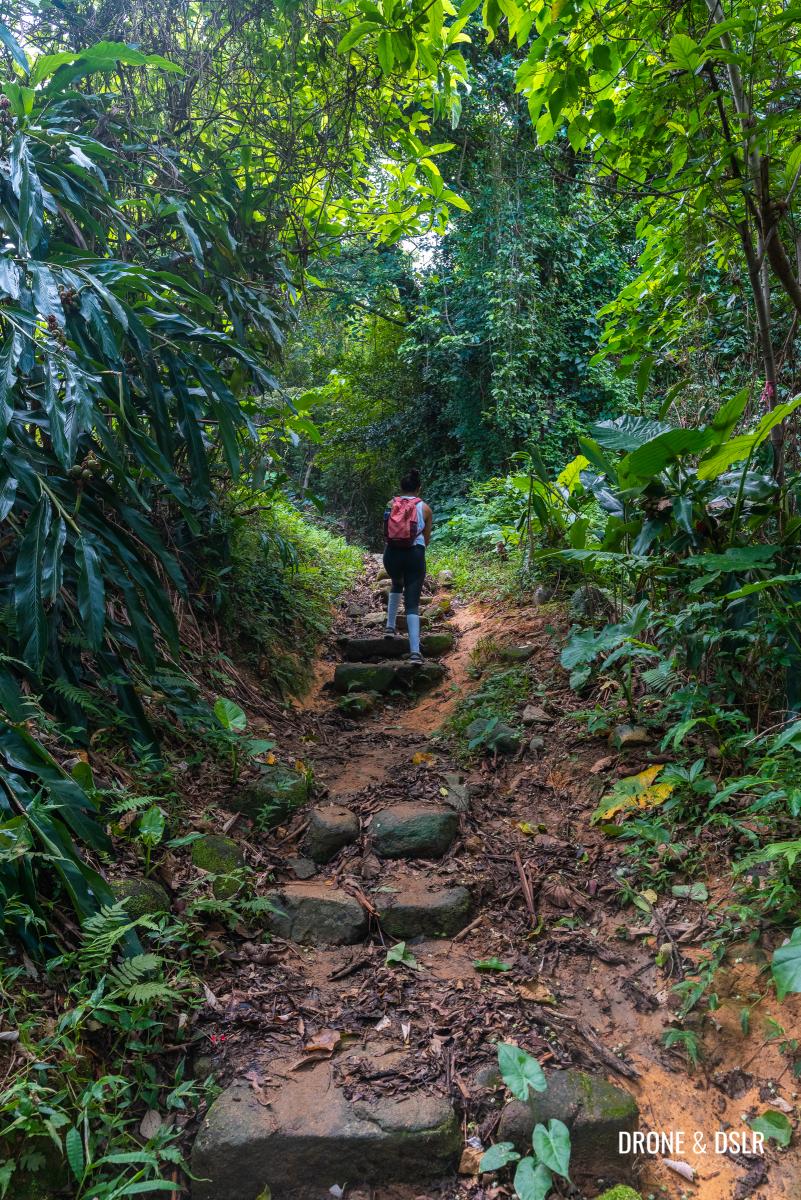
254,260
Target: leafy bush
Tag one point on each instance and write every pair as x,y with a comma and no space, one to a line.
287,572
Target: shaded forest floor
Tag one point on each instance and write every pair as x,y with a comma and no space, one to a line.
577,983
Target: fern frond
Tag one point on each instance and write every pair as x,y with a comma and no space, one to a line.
104,931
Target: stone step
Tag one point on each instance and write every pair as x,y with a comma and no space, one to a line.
414,830
314,913
387,676
330,828
408,906
365,649
305,1137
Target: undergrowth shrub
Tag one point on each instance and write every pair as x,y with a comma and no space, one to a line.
287,571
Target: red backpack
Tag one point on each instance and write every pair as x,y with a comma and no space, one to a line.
400,521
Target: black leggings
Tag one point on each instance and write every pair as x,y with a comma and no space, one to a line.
406,567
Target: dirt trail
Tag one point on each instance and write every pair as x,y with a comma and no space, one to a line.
582,989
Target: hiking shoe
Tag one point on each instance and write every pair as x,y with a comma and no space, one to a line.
390,633
417,659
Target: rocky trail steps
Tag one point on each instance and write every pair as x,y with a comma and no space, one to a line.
356,1050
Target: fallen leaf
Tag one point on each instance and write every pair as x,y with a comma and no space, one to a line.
471,1157
211,999
780,1103
406,1029
681,1168
325,1042
536,991
602,764
150,1124
384,1023
270,759
632,793
255,1081
526,827
422,756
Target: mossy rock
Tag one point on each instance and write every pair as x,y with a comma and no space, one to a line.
594,1110
143,897
494,735
274,794
219,856
357,704
621,1191
440,642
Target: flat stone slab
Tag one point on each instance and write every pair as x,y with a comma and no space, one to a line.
311,1137
330,829
361,650
414,830
387,676
593,1109
315,914
413,909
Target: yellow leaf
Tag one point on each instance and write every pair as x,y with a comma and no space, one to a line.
650,895
422,757
632,793
300,765
443,791
270,758
526,827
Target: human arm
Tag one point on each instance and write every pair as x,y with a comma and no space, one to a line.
428,523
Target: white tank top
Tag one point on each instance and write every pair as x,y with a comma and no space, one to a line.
421,521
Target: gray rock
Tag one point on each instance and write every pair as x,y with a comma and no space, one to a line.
273,794
414,830
329,830
494,735
536,744
301,868
590,603
414,910
594,1111
517,653
445,579
624,737
311,1137
534,714
374,620
315,914
142,897
221,856
386,676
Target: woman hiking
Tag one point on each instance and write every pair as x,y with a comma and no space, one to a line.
407,532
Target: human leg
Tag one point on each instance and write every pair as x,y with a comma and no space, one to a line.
394,569
413,578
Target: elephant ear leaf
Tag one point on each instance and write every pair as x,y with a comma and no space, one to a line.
91,591
29,587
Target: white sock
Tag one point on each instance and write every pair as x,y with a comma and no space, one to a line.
413,625
392,608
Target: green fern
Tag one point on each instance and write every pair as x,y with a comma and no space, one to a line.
131,979
662,678
104,931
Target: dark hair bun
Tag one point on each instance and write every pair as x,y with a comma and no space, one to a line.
410,482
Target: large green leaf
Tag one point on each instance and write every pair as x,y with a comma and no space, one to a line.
627,433
739,448
653,456
520,1071
533,1181
552,1146
91,591
786,966
28,589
